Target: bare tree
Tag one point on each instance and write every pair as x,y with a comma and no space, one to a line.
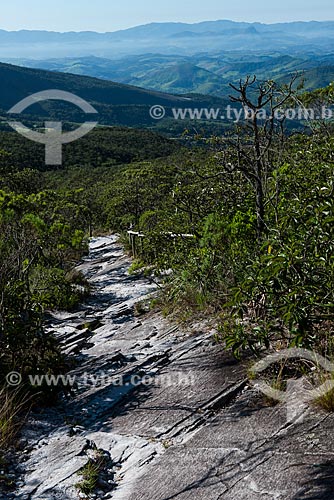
259,142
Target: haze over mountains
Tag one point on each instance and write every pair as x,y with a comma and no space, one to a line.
171,38
181,58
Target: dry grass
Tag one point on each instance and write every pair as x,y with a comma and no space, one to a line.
12,406
326,399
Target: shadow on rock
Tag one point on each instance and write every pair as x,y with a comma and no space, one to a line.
320,485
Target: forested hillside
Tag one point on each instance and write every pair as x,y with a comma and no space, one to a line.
116,104
202,73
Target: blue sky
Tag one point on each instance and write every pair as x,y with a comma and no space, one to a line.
110,15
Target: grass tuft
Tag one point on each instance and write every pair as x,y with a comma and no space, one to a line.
12,406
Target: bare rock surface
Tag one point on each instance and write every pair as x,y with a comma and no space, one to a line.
168,409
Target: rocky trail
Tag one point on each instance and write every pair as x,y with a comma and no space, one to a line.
166,412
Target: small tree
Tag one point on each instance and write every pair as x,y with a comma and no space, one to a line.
259,142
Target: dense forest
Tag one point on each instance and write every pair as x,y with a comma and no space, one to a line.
243,223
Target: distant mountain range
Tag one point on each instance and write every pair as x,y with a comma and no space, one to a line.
179,58
171,38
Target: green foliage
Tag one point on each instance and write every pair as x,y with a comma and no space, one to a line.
41,236
237,337
137,265
54,288
91,473
90,476
199,222
292,277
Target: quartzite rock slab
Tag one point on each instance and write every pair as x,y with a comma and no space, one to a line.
193,431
